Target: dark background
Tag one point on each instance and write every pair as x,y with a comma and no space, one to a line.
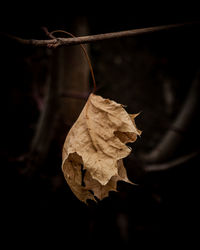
37,205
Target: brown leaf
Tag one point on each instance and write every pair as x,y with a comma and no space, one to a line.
97,142
73,175
102,191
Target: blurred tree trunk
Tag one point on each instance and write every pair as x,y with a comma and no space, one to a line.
74,75
69,73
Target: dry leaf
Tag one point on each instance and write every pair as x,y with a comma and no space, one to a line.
95,146
102,191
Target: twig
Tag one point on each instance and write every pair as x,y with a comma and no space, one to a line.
55,42
48,33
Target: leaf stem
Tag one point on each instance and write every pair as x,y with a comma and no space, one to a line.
86,55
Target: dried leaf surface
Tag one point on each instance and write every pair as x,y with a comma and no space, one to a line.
95,146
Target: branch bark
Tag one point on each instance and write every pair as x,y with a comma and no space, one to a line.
56,42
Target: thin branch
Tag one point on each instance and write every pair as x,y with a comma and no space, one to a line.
48,33
171,164
53,43
175,135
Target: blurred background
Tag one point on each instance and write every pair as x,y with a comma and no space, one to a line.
44,91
